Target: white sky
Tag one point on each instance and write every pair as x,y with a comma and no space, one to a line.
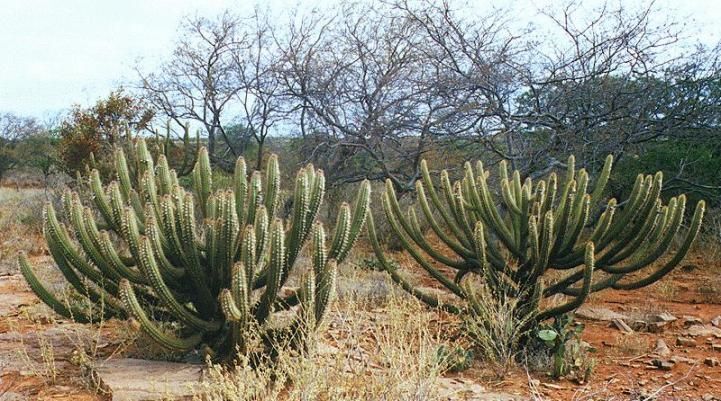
56,53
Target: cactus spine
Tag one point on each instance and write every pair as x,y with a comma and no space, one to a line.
511,240
216,281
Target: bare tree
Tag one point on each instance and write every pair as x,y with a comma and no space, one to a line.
364,86
198,82
255,68
13,130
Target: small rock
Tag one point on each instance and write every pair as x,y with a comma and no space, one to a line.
639,325
679,359
703,331
656,327
664,317
716,321
621,325
707,397
598,313
685,342
689,267
661,348
712,362
134,379
663,365
689,321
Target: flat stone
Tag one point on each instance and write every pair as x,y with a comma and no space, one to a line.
716,322
639,325
664,317
703,331
663,365
689,321
661,348
457,389
685,342
139,380
14,294
682,359
656,327
713,362
716,347
599,313
621,325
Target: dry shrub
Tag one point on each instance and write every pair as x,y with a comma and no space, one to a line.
632,344
496,327
365,356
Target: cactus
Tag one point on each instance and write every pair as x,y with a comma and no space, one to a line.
211,284
509,242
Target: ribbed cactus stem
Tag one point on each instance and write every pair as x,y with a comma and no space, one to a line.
513,235
189,283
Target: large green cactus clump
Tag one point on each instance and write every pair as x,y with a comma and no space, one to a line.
201,270
511,242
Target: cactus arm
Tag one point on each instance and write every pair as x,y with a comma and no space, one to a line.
275,271
317,185
457,247
680,254
240,189
122,173
230,308
359,215
301,204
577,300
602,180
494,220
163,176
171,273
453,227
45,295
255,194
202,180
324,287
164,339
579,222
194,268
86,240
59,240
453,287
101,201
341,233
420,240
116,263
272,185
661,246
398,279
306,321
151,270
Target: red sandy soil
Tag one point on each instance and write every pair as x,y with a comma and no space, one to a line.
622,372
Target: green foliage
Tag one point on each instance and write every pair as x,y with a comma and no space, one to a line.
191,284
562,339
691,166
14,132
455,359
510,242
97,130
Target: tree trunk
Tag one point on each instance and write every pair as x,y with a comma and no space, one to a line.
259,158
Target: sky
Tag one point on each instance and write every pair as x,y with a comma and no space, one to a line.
56,53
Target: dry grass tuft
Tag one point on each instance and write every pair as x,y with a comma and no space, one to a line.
364,356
